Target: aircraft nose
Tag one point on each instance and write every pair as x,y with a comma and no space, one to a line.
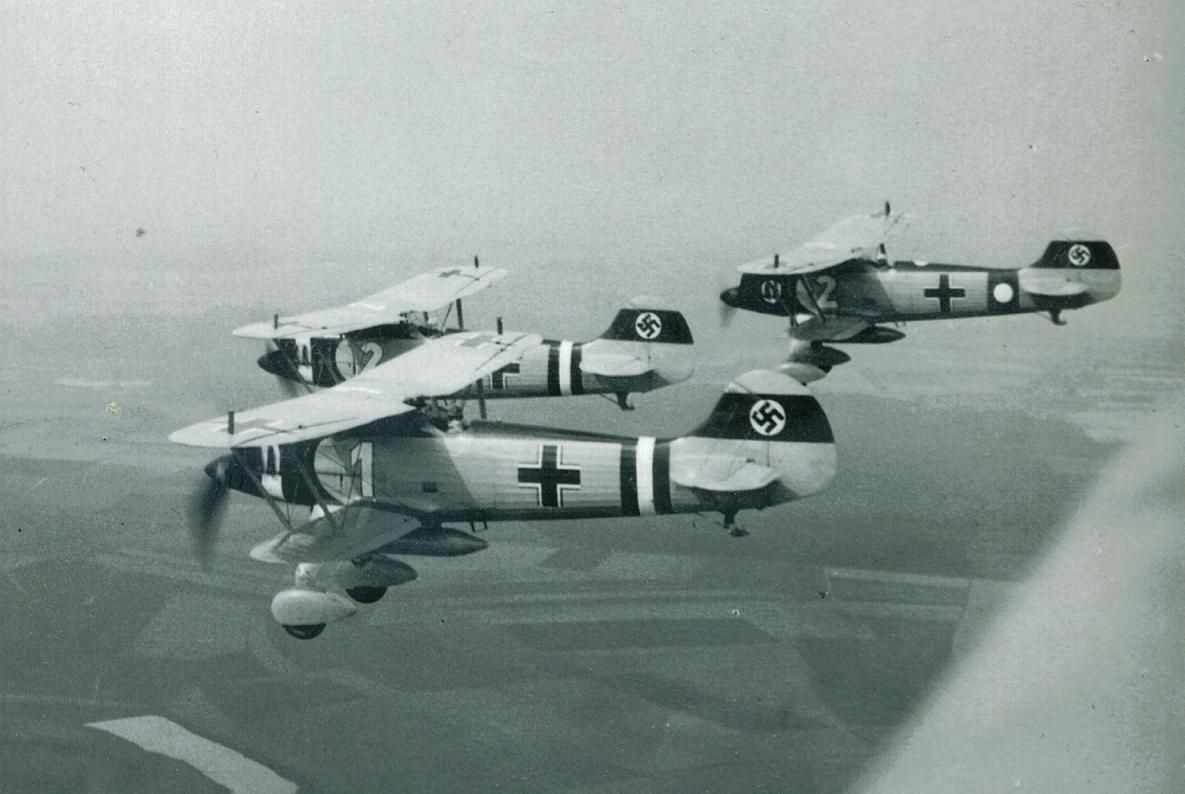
731,296
276,363
219,468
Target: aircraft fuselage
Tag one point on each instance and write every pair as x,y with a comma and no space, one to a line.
493,472
906,291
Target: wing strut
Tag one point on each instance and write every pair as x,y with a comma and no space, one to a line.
285,521
308,483
806,299
481,398
811,304
460,311
294,368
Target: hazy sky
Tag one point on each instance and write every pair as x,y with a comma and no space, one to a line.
255,142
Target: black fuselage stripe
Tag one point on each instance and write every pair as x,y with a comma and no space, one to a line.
629,479
662,477
574,372
1009,278
553,368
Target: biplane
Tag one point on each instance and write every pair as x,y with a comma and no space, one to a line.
646,347
841,287
371,472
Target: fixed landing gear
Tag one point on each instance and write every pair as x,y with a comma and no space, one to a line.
366,595
1055,316
305,632
623,401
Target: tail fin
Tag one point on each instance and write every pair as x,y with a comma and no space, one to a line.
636,323
764,405
767,441
1079,255
644,349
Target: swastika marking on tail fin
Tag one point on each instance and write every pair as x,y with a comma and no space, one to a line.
767,417
648,325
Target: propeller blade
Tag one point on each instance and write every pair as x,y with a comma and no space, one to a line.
207,508
726,313
290,388
727,289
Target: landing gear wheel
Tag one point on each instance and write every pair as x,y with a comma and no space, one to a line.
305,632
366,595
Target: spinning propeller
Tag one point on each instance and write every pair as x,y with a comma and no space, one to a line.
726,313
207,507
291,389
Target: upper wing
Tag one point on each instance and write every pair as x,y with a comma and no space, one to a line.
857,237
437,368
426,292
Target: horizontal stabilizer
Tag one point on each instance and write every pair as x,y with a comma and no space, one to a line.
427,292
724,474
614,365
1035,282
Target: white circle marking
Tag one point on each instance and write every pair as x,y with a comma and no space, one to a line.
767,417
647,325
1002,293
1079,255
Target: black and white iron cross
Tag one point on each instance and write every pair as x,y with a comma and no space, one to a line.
549,477
499,378
944,293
